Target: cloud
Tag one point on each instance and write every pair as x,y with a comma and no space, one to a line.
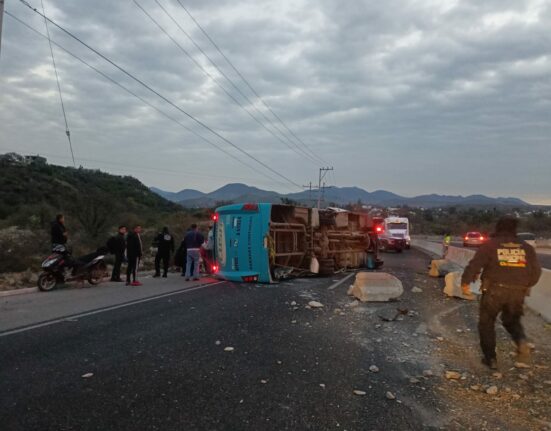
415,97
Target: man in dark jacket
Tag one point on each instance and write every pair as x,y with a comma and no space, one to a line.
134,251
117,246
509,268
59,232
193,242
165,245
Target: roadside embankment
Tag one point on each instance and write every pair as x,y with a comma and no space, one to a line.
540,295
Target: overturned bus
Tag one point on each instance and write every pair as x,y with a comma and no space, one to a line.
269,242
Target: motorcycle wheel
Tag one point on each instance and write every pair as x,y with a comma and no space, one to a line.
46,282
96,275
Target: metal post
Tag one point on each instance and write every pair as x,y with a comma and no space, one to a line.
1,17
322,174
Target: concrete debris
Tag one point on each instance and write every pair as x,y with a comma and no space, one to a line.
492,390
390,396
322,385
293,303
441,267
547,382
452,375
376,287
428,373
374,369
87,375
315,304
523,377
229,349
352,304
416,290
217,342
440,338
476,387
414,380
350,289
360,393
264,381
521,365
453,286
498,375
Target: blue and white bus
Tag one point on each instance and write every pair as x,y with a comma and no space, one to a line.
266,242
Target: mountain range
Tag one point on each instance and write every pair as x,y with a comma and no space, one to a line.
237,192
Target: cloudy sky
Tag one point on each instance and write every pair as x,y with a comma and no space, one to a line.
414,97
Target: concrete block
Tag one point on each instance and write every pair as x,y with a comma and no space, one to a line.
376,287
441,267
453,285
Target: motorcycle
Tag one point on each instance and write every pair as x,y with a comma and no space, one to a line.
60,267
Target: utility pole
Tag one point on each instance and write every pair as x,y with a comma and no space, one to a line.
1,16
323,173
309,188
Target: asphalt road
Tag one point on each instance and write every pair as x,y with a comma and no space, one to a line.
162,364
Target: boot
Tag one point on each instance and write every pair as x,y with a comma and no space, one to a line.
491,363
523,352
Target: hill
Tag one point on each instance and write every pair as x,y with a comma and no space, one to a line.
337,195
33,191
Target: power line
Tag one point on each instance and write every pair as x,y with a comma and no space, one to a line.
249,84
293,146
67,132
144,100
207,73
139,81
180,173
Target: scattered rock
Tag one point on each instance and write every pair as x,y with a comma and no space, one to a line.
293,303
521,365
379,340
492,390
547,382
498,375
279,362
475,387
87,375
353,304
414,380
416,290
350,289
376,287
428,373
390,396
523,376
293,321
315,304
322,385
440,338
452,375
229,349
374,369
337,310
516,396
360,393
217,342
532,346
264,381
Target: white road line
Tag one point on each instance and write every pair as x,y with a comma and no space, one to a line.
338,283
101,310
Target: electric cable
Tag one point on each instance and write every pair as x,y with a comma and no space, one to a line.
291,145
139,81
210,76
249,84
144,100
67,131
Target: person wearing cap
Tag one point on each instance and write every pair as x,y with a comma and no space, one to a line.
509,268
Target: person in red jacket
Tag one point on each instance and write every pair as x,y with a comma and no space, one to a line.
509,269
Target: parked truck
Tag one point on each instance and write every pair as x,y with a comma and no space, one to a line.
398,227
267,242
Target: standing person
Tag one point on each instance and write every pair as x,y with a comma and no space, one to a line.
134,251
193,241
446,244
165,245
509,268
58,231
208,251
117,246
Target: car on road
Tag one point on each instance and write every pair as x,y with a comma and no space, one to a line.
391,242
474,239
530,238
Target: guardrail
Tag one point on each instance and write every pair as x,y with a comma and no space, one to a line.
540,295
